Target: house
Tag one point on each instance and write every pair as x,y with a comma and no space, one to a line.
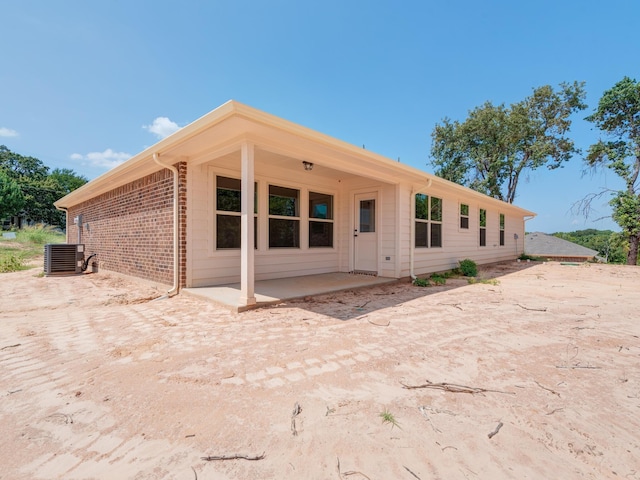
240,195
538,244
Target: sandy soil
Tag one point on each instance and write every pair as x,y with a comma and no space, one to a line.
97,380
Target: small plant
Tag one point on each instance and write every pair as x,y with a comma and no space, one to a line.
421,282
387,417
468,268
11,262
525,257
487,281
438,278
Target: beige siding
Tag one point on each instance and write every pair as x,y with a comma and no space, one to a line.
395,218
388,228
210,267
458,243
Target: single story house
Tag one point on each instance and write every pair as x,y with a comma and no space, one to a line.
240,195
550,247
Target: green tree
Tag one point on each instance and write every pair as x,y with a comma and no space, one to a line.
618,117
491,149
11,198
610,245
67,179
39,187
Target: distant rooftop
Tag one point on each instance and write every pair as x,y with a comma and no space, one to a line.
542,244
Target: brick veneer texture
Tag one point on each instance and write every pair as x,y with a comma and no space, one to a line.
130,228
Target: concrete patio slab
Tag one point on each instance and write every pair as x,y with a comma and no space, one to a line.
269,292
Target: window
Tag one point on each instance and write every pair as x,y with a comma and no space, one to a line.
464,216
502,229
436,222
428,221
228,212
284,217
320,220
483,227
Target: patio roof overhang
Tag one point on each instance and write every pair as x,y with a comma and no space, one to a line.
221,133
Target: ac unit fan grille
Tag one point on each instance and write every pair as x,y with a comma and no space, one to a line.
63,258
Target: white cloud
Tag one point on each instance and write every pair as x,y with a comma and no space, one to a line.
162,127
7,132
107,159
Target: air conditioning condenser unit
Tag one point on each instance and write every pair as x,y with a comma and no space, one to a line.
63,258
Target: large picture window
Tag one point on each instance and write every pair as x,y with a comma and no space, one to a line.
428,221
284,217
228,213
483,227
320,220
502,229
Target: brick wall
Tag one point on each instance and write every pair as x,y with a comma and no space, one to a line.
131,227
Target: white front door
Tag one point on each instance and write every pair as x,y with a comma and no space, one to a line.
365,235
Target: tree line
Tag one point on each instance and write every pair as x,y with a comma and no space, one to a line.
28,188
492,149
610,245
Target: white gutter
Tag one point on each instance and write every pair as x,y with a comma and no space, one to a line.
176,239
412,230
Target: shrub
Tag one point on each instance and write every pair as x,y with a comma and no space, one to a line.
421,282
40,234
468,267
438,279
11,263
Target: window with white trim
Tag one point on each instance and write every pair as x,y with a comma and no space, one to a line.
464,216
284,217
320,220
428,221
502,229
483,227
228,213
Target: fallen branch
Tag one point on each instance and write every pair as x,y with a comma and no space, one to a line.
296,411
456,305
194,472
532,309
495,432
380,324
578,366
235,456
11,346
547,389
353,472
453,388
424,414
554,411
407,469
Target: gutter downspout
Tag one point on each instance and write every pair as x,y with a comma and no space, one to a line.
412,230
524,232
66,220
176,239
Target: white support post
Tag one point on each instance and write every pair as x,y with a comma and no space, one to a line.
247,254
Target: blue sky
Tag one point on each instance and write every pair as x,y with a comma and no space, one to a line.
84,85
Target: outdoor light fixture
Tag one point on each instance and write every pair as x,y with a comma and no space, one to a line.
308,166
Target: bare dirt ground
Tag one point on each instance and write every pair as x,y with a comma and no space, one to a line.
97,381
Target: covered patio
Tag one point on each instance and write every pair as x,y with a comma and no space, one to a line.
269,292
